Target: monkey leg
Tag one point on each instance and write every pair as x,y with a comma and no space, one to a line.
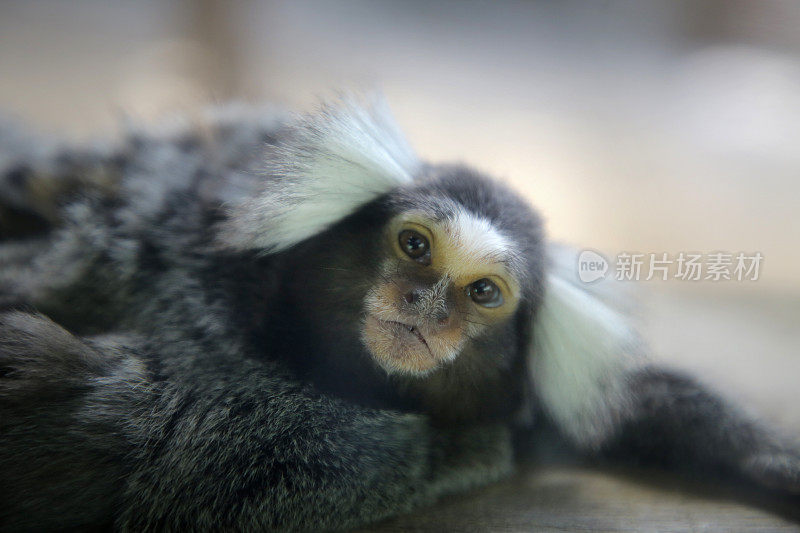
675,422
254,451
593,381
66,409
90,437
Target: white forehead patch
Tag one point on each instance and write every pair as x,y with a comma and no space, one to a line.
477,237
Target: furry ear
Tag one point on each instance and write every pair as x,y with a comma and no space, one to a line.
330,163
584,348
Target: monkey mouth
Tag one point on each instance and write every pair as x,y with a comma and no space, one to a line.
411,329
398,347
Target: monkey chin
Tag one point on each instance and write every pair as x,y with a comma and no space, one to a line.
403,349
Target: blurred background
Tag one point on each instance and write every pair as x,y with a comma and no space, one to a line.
657,127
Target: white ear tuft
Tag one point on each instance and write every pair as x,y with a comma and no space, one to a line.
584,347
330,164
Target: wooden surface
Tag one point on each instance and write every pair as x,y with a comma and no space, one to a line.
556,498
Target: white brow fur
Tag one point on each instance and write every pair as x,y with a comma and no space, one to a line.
584,346
334,161
477,236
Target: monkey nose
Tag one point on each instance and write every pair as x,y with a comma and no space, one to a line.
426,304
412,296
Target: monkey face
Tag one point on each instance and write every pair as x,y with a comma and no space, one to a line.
432,286
445,280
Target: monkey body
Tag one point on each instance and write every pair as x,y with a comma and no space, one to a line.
204,391
230,379
233,349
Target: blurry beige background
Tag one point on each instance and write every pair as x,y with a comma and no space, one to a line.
634,126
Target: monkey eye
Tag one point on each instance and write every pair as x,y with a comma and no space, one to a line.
486,293
415,246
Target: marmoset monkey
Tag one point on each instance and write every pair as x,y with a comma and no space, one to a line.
293,323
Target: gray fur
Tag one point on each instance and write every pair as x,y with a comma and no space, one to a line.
179,426
101,441
159,395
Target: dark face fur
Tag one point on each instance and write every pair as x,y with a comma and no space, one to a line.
421,297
